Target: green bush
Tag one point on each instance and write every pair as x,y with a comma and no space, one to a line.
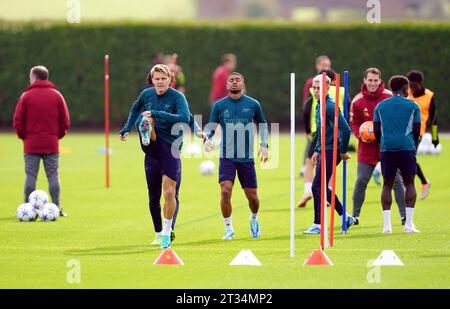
267,53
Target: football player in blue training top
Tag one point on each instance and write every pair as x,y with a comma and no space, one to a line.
235,114
155,112
396,123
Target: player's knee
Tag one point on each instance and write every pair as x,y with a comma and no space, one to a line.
169,192
253,200
226,193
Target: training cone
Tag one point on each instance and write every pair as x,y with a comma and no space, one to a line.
318,257
388,258
168,257
246,258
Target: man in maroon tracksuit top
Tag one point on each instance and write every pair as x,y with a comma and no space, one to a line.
220,77
361,110
41,119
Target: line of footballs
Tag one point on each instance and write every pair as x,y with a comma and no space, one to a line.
37,206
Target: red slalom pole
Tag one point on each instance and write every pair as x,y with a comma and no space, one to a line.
323,188
335,153
107,118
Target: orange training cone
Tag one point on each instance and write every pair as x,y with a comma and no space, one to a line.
168,257
318,257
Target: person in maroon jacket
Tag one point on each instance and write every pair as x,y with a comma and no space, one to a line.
41,119
361,110
220,76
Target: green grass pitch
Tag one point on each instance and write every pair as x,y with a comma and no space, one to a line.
109,230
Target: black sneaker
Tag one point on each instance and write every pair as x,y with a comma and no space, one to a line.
172,236
403,220
62,213
356,221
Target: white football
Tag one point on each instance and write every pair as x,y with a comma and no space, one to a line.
26,212
422,149
207,168
426,139
48,212
55,209
38,198
438,149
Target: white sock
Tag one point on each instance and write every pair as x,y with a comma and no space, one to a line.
158,234
167,227
227,222
409,216
307,188
253,215
387,220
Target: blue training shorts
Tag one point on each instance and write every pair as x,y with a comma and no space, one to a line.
170,163
405,161
246,172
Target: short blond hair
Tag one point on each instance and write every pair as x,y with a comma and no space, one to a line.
158,68
318,78
161,68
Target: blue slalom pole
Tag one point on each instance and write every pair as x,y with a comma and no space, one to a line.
344,167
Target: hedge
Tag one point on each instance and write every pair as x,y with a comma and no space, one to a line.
267,52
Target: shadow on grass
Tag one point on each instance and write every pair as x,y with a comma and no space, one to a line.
234,242
112,250
368,236
8,219
147,248
437,256
287,209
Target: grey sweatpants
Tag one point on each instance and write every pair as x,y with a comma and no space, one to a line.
51,166
362,179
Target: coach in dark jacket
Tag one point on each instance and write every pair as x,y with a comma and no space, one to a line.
41,119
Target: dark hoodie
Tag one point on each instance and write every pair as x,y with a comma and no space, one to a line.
41,118
361,110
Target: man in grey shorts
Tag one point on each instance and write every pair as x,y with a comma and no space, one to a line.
361,110
41,119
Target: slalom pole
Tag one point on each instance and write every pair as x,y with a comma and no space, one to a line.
107,118
323,187
344,166
292,244
335,154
